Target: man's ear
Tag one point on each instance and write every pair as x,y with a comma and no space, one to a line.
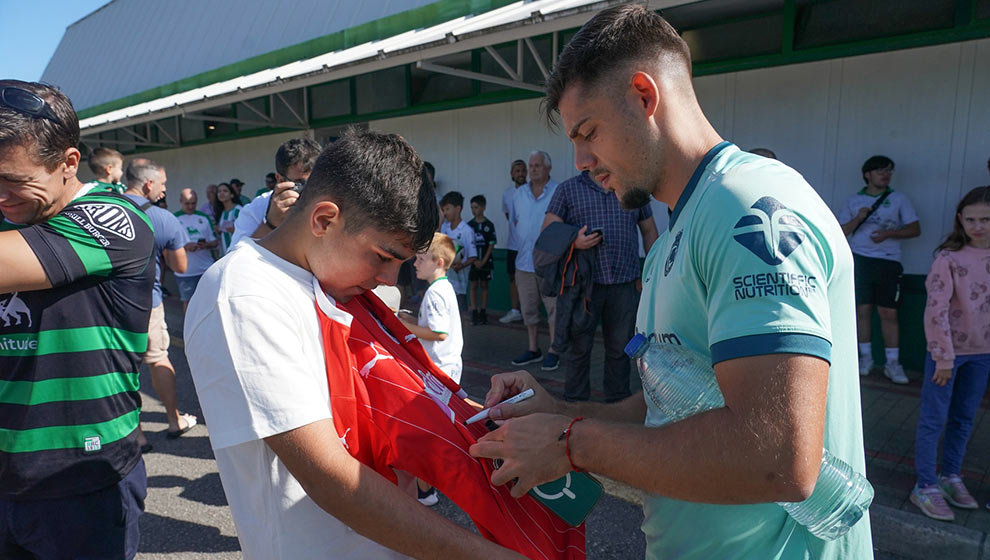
645,91
325,217
72,158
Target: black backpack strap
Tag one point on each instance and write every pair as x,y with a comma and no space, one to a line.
873,208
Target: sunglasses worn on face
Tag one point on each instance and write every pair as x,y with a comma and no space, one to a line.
26,102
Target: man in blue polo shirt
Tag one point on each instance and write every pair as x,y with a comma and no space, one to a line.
752,274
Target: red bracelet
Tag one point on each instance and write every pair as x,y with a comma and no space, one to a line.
567,443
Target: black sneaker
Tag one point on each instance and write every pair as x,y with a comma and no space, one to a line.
528,357
483,317
474,317
428,498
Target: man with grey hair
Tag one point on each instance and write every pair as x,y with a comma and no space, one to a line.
529,206
146,185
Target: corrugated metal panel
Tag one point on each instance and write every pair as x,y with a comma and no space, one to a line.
130,46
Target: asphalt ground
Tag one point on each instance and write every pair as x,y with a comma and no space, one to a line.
187,515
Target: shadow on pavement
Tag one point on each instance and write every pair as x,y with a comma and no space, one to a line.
165,535
206,489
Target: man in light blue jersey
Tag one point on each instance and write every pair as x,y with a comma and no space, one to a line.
753,274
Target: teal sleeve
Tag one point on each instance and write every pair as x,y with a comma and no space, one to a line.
766,271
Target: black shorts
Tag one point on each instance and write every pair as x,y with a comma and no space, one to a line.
101,524
510,263
878,281
480,274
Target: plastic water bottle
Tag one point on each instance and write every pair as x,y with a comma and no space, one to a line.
841,497
680,383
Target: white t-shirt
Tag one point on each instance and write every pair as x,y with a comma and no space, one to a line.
507,195
252,215
198,226
463,238
439,313
895,213
256,356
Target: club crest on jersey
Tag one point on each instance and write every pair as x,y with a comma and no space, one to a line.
771,231
109,218
673,253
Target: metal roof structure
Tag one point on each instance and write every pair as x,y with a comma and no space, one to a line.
516,21
128,46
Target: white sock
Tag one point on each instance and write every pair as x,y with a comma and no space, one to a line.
865,349
893,355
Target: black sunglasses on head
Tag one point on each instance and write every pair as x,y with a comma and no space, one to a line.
26,102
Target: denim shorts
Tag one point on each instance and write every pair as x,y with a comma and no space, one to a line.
187,285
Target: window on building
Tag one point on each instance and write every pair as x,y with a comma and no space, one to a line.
384,90
736,39
330,100
827,22
982,9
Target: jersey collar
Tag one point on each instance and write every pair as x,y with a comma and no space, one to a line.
693,182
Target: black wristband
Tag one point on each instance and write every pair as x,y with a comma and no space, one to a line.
267,209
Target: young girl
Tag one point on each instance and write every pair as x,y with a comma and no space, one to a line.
226,197
957,326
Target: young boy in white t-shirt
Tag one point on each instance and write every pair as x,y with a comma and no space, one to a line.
438,326
439,323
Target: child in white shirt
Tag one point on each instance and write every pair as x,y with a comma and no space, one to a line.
439,323
462,236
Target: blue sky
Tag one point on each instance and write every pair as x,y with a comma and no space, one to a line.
31,40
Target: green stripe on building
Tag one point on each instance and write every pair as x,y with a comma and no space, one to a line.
93,256
29,393
67,437
82,339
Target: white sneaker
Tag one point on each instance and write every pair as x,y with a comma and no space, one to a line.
512,316
865,365
895,373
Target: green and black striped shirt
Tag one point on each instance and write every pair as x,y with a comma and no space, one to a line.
69,355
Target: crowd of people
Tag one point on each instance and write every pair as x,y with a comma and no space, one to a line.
333,410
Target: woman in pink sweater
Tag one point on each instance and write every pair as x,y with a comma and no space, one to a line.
957,366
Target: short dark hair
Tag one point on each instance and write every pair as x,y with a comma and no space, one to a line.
480,200
377,180
452,198
518,162
877,162
611,39
45,139
302,151
101,157
270,176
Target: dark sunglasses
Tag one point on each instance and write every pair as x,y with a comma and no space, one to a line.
26,102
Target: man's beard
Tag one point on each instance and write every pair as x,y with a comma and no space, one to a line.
634,198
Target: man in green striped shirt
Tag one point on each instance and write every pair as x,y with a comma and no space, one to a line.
75,298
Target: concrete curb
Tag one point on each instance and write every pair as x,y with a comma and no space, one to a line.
906,535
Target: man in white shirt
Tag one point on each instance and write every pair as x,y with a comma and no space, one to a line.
294,161
199,229
529,207
518,174
875,220
256,354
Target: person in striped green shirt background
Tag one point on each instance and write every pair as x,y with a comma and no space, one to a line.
75,300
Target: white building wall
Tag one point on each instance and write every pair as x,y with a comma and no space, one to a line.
925,108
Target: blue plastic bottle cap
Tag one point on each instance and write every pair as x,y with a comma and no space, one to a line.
635,344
